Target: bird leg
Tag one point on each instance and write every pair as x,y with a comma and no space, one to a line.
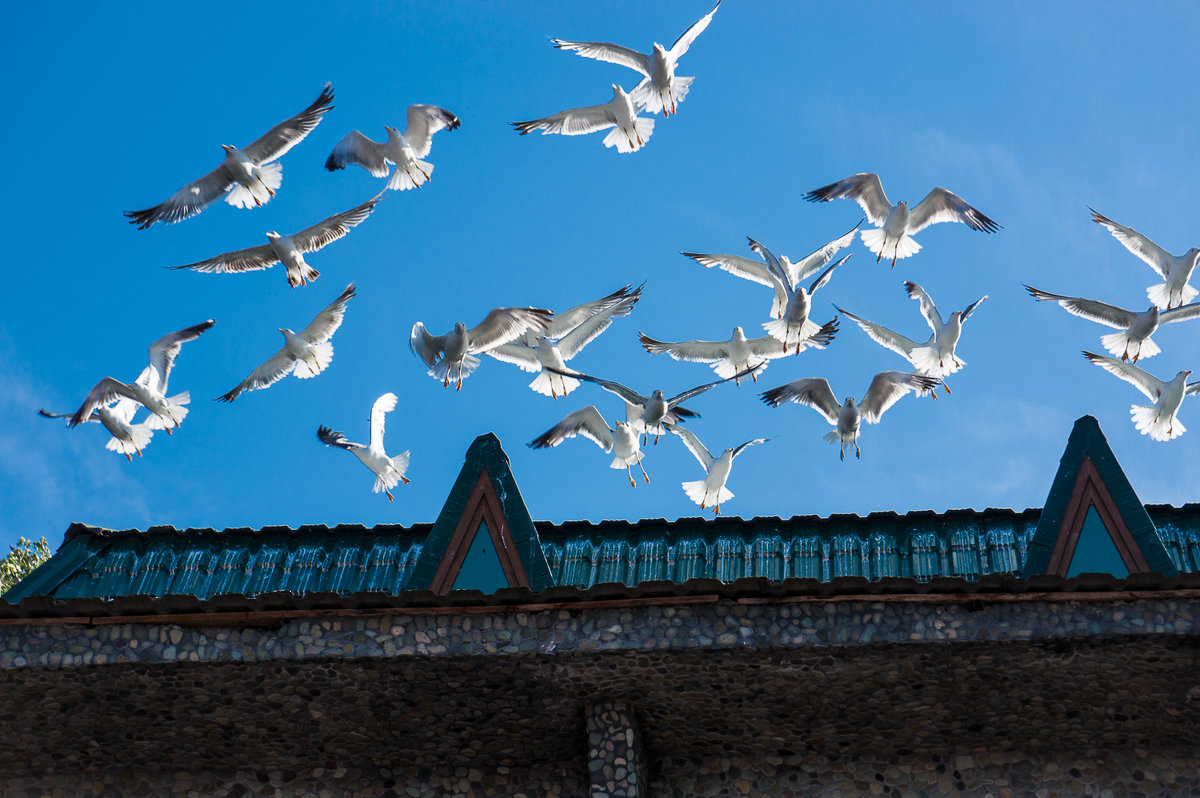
842,454
717,510
644,474
629,474
405,480
947,387
129,457
754,374
389,493
458,385
167,430
857,453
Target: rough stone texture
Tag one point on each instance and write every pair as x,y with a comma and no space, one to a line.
614,751
838,697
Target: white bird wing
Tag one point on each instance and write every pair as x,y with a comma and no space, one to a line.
423,122
680,398
1182,313
773,264
767,346
503,325
825,275
269,373
688,351
882,335
742,446
290,132
608,53
241,260
811,392
685,39
425,346
966,314
693,444
1092,309
1155,256
519,354
928,309
383,405
107,391
164,351
574,342
356,148
323,327
813,261
864,188
1192,388
941,205
1147,383
753,270
586,422
886,389
619,302
573,121
613,387
311,239
187,201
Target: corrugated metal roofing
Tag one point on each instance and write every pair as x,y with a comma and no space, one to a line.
347,560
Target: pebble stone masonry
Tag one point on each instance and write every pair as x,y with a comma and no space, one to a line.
1036,693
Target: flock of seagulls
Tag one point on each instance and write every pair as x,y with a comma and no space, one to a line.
542,342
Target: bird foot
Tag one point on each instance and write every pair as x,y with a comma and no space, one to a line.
167,430
933,394
857,453
754,376
893,262
458,385
389,494
632,482
843,455
128,457
405,480
717,510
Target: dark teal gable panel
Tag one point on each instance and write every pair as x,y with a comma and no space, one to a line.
47,577
1088,441
485,453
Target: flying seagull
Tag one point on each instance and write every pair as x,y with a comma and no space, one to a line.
252,173
621,440
710,491
661,89
886,389
451,357
1174,290
288,250
1133,340
306,353
759,272
793,328
568,333
387,470
895,224
127,438
936,357
629,133
149,389
405,150
728,358
1158,421
654,411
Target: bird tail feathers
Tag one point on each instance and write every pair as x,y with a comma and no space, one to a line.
414,176
832,436
259,192
449,372
1164,297
140,435
178,412
1159,428
931,364
1120,344
874,241
726,369
643,125
550,384
319,360
703,495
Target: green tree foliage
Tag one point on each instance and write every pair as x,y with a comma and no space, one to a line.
21,560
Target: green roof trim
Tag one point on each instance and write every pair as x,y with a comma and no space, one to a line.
1087,452
485,457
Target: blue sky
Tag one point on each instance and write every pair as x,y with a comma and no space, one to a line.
1032,114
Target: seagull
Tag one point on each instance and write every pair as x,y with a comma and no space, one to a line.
630,130
306,353
759,272
934,358
405,150
654,411
149,389
1175,271
127,438
729,358
1157,421
661,89
568,333
895,224
793,327
288,250
1133,341
388,470
711,490
451,357
621,440
886,389
250,173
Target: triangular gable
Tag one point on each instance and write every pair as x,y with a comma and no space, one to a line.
1091,485
484,501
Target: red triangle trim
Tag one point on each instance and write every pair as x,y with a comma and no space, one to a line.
1091,491
483,506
